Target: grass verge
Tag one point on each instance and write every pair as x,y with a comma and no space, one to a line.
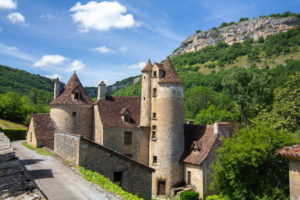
106,184
38,150
5,124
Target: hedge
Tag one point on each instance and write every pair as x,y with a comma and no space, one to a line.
15,134
189,195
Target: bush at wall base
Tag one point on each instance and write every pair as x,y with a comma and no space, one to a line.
15,134
189,195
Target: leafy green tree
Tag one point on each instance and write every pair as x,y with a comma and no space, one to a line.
247,167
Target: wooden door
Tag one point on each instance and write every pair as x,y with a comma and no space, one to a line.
189,178
161,188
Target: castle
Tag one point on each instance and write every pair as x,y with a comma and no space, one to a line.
140,143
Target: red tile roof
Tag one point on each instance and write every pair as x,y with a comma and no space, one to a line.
171,75
201,138
66,97
111,107
44,129
148,67
292,152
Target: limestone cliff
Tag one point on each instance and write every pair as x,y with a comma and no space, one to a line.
238,32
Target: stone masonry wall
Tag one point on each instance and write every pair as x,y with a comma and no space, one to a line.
294,174
196,177
31,139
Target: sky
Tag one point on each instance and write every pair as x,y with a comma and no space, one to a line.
110,40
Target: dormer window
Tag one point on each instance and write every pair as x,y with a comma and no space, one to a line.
77,94
162,73
125,115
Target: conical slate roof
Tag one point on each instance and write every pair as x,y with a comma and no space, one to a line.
170,76
67,95
148,67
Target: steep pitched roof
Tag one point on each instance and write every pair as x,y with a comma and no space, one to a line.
201,138
66,97
44,129
292,152
111,108
170,74
148,67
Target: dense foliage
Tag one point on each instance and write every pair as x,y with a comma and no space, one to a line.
106,184
14,135
189,195
247,167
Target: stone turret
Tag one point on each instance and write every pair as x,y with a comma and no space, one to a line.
146,95
72,110
56,88
101,91
167,139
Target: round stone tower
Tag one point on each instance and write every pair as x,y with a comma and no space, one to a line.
167,139
72,110
145,117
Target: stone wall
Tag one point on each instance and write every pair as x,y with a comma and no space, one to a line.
196,177
136,177
294,174
31,139
66,122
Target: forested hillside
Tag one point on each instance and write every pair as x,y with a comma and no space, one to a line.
234,82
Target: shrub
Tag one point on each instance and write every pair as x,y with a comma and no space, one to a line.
217,197
189,195
15,134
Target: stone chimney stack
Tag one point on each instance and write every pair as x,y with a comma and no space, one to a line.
101,91
223,128
56,87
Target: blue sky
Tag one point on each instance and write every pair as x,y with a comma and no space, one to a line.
110,40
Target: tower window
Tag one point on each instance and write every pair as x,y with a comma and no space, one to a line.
154,74
74,114
154,160
154,115
153,127
127,137
153,136
154,92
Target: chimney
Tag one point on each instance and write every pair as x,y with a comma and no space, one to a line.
56,88
101,91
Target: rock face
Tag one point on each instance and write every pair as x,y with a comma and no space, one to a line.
239,32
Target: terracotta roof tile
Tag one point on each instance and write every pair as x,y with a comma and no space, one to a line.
66,97
148,67
170,74
44,129
291,152
111,108
199,141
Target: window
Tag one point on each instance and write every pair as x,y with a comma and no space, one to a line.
153,127
118,178
162,73
161,188
74,114
154,92
154,74
76,95
154,160
154,115
189,177
153,136
127,118
127,137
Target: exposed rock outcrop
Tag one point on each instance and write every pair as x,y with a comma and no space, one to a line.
239,32
14,184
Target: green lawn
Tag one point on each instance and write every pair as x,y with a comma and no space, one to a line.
4,124
38,150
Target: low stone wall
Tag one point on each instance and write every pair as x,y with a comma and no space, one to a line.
132,176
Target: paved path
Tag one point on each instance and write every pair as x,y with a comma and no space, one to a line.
57,181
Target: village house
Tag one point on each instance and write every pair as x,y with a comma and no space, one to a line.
140,143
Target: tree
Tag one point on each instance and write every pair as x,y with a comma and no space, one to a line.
247,166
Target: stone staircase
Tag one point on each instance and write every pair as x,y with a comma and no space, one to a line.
14,183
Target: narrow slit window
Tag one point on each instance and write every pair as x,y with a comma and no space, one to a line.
154,74
154,136
154,115
154,160
154,127
154,92
127,137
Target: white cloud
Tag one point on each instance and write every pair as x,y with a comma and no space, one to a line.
76,65
101,49
101,16
16,18
8,4
47,16
50,60
139,65
15,52
123,48
53,76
